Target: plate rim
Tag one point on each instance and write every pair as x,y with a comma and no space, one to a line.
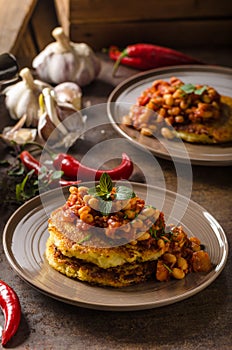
111,306
112,98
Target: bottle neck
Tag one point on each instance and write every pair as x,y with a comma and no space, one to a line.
8,68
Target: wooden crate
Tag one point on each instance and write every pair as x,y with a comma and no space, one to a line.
174,23
25,28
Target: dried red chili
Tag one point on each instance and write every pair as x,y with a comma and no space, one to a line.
72,168
32,163
10,305
148,56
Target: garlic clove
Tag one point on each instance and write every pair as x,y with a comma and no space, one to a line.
19,134
69,92
60,125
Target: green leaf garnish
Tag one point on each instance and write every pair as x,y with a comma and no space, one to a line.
123,193
103,192
104,188
105,183
105,207
200,90
167,267
190,88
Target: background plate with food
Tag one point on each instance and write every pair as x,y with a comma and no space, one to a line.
200,149
26,234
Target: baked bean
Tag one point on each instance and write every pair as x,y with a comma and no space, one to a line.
178,273
167,133
170,258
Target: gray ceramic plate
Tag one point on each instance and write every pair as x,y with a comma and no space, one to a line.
25,236
126,94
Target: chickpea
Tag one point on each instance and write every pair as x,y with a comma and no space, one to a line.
168,99
146,131
162,112
144,118
174,111
87,218
130,214
84,209
73,190
83,190
179,119
144,236
171,258
178,93
184,104
182,263
206,98
94,203
167,133
160,243
149,211
86,198
178,273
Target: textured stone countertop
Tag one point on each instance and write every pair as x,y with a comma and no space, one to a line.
202,321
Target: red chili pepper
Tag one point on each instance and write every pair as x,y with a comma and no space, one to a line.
30,162
33,164
10,305
148,56
72,168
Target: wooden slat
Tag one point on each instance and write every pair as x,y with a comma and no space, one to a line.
165,33
88,11
43,21
14,17
26,50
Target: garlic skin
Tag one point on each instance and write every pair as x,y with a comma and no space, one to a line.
61,124
22,98
68,92
18,134
64,60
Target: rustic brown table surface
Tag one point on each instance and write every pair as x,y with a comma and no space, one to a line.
203,321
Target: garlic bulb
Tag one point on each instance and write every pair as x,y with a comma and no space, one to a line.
19,134
68,92
22,98
60,124
64,60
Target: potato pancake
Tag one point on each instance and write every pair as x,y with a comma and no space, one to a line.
118,244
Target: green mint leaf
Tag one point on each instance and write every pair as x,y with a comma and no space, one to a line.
105,207
200,90
123,193
105,183
188,88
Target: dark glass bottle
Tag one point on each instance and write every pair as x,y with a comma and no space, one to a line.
8,68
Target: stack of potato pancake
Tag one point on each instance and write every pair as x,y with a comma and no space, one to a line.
116,248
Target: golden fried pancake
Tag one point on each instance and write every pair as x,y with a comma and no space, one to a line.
120,276
65,236
215,131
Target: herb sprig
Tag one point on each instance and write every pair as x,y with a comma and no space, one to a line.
104,193
190,88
